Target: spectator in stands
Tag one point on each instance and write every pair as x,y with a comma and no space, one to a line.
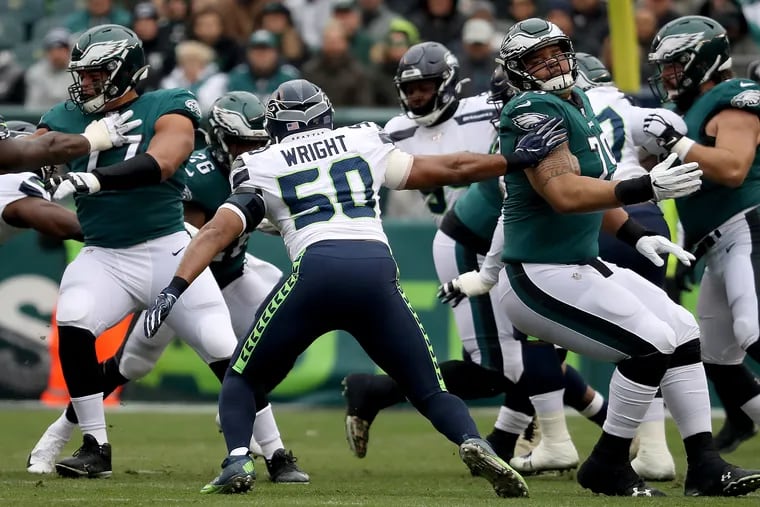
207,26
263,71
337,71
476,62
97,12
386,54
591,26
145,25
276,18
197,71
483,9
347,13
663,11
173,25
48,80
519,10
376,18
729,15
560,12
646,29
440,21
310,18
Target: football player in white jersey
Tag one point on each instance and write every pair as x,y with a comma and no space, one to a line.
435,119
319,186
623,126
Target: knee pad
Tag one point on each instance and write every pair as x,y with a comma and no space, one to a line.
76,308
745,331
215,340
647,370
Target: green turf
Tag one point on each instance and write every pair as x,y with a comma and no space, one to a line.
164,459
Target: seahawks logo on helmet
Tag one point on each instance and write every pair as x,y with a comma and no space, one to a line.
527,121
746,98
673,44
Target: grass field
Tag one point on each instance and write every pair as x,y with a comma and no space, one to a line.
165,458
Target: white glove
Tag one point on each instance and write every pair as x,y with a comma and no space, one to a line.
267,227
61,187
652,246
110,131
671,182
465,285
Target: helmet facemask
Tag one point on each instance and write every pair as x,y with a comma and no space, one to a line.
561,68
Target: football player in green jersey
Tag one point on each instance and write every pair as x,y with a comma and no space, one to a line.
555,286
721,221
129,204
236,126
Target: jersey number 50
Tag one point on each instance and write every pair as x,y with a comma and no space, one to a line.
312,208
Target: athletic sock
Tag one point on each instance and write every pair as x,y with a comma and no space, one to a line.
92,417
266,433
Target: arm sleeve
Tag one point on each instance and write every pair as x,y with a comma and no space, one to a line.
399,167
248,205
489,271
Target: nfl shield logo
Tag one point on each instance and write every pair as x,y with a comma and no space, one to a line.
293,125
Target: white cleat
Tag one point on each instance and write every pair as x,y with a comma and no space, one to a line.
654,464
547,457
44,455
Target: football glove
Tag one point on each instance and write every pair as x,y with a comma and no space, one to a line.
111,131
465,285
534,146
652,247
671,182
159,310
68,184
666,135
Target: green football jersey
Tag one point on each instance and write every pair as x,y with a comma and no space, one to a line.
713,204
208,187
478,209
533,231
122,218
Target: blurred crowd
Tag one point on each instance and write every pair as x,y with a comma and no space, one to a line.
350,48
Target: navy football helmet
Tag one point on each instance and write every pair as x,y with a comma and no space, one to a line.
296,106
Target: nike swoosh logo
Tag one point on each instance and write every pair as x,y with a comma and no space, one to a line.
178,251
524,104
744,85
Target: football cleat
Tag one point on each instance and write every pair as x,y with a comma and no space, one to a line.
42,458
237,476
357,428
547,457
483,461
529,438
721,479
730,437
92,460
613,479
282,468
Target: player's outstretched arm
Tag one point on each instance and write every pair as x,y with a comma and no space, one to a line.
465,167
43,216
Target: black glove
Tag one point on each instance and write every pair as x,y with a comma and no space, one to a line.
451,292
657,126
159,310
534,146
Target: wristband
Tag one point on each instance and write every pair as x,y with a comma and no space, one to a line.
631,232
178,285
634,190
516,163
682,147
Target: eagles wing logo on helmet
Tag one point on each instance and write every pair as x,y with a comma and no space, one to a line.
746,98
673,44
232,121
99,52
527,121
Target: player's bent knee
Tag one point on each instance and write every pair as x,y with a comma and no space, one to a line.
687,353
746,331
215,340
135,367
647,370
76,308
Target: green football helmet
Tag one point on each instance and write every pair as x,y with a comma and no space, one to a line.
523,39
112,50
591,72
236,117
688,52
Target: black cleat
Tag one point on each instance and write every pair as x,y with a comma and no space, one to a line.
92,460
729,437
357,408
282,468
613,480
721,479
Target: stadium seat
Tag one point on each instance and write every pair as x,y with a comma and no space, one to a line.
27,53
42,26
11,31
22,12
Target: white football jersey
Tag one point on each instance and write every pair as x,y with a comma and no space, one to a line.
12,188
323,184
623,126
469,129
